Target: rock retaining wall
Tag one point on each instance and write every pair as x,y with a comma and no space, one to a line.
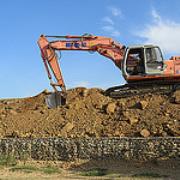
70,149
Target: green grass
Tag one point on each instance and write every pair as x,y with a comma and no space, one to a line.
24,168
50,170
24,157
10,161
7,160
149,174
95,172
31,169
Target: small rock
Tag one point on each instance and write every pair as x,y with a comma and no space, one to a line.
142,104
63,134
111,107
85,92
166,114
117,132
133,120
3,116
67,128
145,133
45,91
177,97
26,135
12,112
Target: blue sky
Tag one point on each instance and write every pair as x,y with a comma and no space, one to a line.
127,21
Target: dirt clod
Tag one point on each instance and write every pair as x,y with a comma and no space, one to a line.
67,128
110,109
145,133
133,120
177,97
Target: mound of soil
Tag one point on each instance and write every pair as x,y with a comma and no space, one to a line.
88,113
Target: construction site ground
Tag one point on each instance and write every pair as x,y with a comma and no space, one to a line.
95,170
89,113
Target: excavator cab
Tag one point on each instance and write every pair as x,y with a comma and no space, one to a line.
143,61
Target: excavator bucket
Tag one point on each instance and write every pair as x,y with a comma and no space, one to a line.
55,99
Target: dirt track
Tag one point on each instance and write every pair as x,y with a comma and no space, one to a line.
89,113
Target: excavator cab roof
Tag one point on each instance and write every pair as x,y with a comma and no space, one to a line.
141,46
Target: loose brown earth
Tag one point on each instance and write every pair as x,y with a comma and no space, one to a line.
88,113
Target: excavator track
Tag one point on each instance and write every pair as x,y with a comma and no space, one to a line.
134,89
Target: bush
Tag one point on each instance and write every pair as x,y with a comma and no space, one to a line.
7,160
95,172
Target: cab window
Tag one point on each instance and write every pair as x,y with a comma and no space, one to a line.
154,60
135,61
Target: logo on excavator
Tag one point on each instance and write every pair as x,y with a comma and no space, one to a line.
75,44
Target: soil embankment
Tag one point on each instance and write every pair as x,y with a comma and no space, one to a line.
88,113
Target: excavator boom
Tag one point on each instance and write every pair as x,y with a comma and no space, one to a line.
103,45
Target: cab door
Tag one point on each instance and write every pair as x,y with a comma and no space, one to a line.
153,60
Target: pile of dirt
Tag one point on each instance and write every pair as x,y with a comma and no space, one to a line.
88,113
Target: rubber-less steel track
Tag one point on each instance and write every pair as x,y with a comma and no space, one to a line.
134,89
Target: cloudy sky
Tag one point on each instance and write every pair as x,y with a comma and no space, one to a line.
126,21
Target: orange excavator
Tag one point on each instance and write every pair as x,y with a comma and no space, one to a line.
142,66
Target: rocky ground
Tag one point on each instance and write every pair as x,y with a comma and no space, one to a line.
88,113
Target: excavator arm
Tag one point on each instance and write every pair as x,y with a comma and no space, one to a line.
103,45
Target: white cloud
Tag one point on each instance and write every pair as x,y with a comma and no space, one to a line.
108,28
82,84
163,32
115,33
155,15
111,30
115,11
108,20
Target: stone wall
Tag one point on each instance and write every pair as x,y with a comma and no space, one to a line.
69,149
